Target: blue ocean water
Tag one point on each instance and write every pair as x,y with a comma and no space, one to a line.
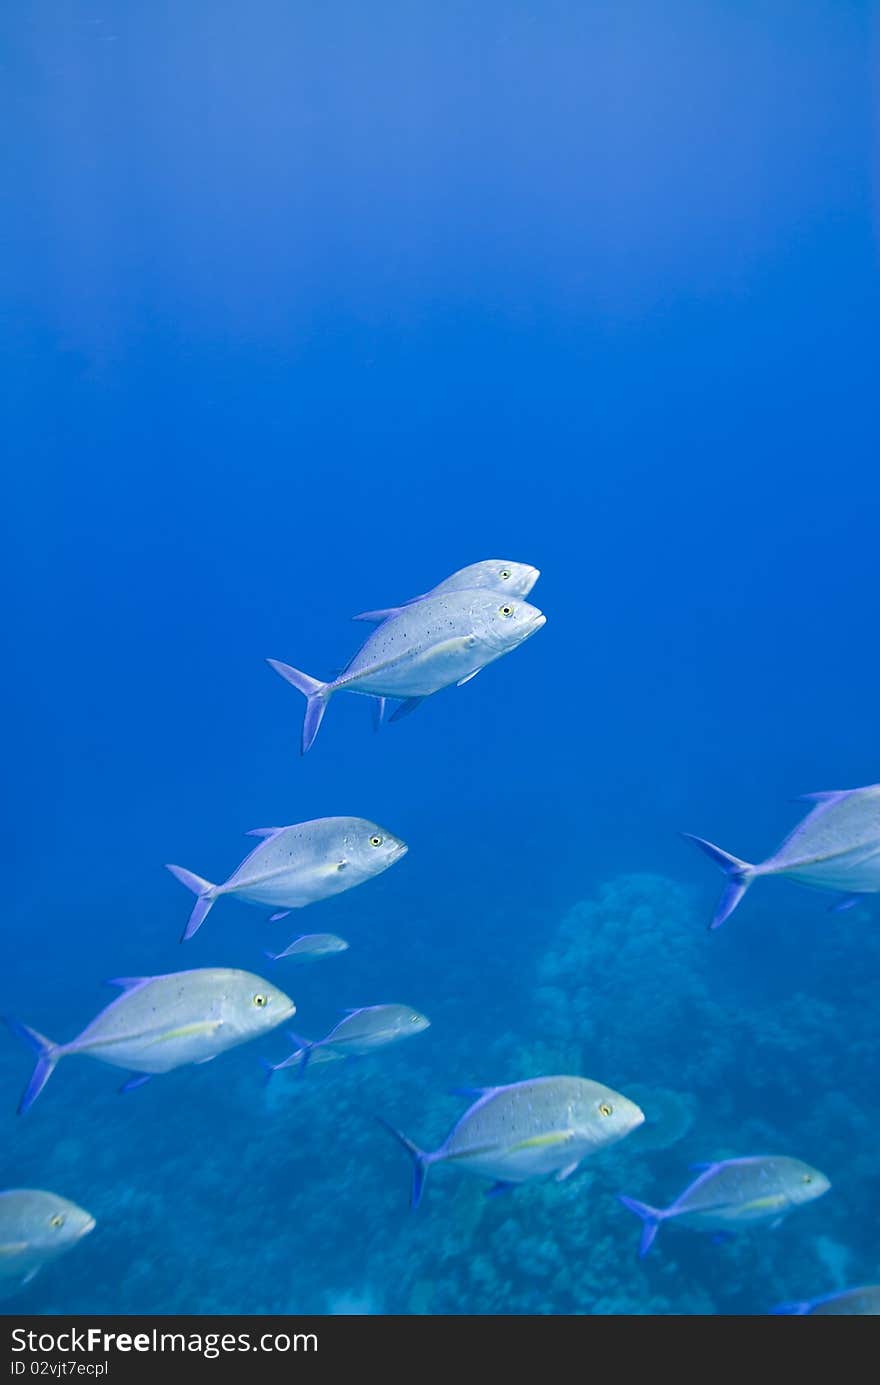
306,306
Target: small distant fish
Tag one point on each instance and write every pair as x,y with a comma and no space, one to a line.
836,847
163,1022
527,1130
360,1032
425,647
310,947
493,574
847,1303
298,865
35,1228
733,1194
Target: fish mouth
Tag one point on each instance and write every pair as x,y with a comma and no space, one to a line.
532,575
397,851
288,1013
534,626
637,1117
89,1227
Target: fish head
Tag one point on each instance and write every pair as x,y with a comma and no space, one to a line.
411,1022
804,1183
370,848
503,622
608,1115
57,1224
501,575
253,1006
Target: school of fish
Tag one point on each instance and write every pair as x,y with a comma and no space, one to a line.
540,1129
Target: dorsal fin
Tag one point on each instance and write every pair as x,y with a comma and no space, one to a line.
127,983
821,797
263,831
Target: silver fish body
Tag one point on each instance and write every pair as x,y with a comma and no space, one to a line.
36,1228
311,947
159,1023
529,1130
358,1033
863,1302
299,865
835,847
733,1194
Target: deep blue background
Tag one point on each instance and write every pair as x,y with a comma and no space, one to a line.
309,304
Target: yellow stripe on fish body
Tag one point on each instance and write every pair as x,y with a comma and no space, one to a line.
553,1137
770,1203
187,1031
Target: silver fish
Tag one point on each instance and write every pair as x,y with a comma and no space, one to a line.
863,1302
358,1033
428,646
310,947
836,847
163,1022
35,1228
298,865
734,1193
528,1130
493,574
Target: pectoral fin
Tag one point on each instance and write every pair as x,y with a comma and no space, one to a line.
567,1171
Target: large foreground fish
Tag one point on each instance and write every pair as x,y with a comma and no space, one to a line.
836,847
527,1130
733,1194
35,1228
298,865
428,646
492,574
163,1022
359,1033
863,1302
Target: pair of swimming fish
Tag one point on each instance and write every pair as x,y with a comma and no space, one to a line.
358,1033
431,642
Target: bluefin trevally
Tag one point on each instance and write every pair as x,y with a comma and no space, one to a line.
359,1032
426,647
527,1130
492,574
35,1228
298,865
311,947
863,1302
835,847
163,1022
734,1193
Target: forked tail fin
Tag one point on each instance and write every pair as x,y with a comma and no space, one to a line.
317,696
420,1159
207,894
651,1219
47,1056
739,876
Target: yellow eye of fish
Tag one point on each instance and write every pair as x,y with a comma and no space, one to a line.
413,1019
507,611
260,1001
605,1109
57,1221
375,841
504,575
807,1177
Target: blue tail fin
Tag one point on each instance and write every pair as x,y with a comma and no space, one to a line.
420,1162
47,1056
739,876
206,897
316,694
304,1049
651,1219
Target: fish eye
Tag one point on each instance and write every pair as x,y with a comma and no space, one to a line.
507,611
261,1000
375,841
57,1221
605,1109
806,1178
414,1019
504,574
